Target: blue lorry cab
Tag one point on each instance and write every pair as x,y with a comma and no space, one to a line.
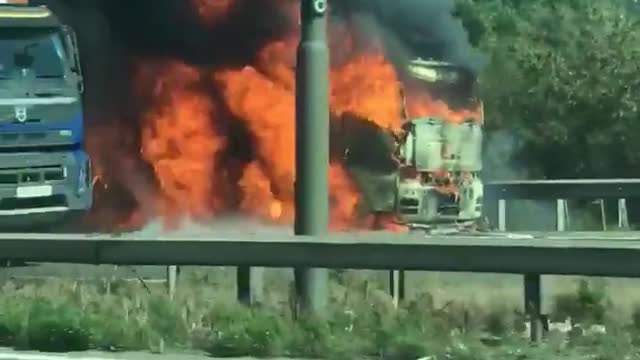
44,169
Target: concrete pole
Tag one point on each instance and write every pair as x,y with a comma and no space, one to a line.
312,147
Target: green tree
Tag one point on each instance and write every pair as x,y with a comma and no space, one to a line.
565,77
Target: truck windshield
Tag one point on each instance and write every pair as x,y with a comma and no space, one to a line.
40,51
449,84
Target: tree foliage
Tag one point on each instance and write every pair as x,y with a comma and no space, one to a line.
564,77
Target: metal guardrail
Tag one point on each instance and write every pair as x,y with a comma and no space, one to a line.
588,253
591,254
561,253
559,190
562,189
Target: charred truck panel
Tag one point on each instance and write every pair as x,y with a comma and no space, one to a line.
438,155
43,166
438,179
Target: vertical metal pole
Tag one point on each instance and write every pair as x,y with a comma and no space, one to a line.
561,224
603,214
172,279
567,218
533,300
502,215
402,285
623,218
312,146
397,286
249,281
536,284
243,284
256,284
533,305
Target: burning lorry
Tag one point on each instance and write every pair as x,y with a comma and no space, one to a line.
428,174
45,172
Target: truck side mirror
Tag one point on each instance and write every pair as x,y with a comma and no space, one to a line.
74,55
80,85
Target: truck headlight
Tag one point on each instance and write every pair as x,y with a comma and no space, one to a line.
82,187
84,177
89,178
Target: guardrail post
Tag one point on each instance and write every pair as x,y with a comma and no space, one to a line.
243,284
533,305
623,218
397,286
312,146
603,214
561,215
502,215
250,286
172,280
534,284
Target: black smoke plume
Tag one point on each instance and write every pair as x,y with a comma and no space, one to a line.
112,32
412,29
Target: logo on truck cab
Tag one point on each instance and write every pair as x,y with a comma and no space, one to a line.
21,113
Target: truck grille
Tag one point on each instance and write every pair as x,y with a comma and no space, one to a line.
27,136
34,138
9,204
409,206
31,175
41,113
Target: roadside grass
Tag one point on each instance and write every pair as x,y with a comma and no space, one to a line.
361,322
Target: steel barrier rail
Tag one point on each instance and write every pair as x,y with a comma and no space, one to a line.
563,189
561,253
587,253
560,190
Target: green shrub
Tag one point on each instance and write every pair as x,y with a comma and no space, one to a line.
55,327
64,317
237,331
587,305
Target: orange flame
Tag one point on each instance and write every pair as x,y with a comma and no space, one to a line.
277,60
268,110
421,104
258,197
344,198
181,144
368,86
186,140
211,11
